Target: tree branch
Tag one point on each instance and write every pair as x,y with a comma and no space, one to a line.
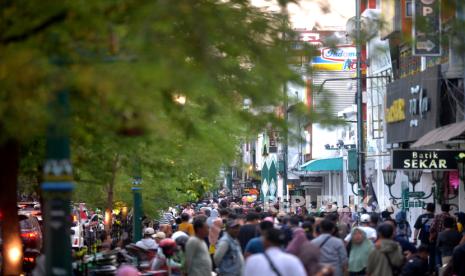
57,18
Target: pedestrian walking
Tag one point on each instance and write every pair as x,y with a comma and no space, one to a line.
228,255
360,249
417,264
255,245
308,253
403,226
185,225
147,242
249,230
458,265
365,226
332,249
437,226
274,261
448,239
198,261
386,259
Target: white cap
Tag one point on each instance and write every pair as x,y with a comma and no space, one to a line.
365,218
178,234
149,231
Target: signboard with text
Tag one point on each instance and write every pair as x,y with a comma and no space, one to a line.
412,106
426,31
340,58
439,160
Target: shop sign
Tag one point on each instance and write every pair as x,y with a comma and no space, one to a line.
416,194
339,58
418,105
440,160
396,112
273,147
412,106
340,54
426,30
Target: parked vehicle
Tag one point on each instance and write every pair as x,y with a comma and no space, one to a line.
30,208
31,236
31,233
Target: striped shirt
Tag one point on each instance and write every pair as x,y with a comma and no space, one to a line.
167,218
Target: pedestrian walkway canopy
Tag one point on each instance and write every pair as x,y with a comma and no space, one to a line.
441,134
326,164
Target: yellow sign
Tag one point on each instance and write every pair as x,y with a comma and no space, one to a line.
396,112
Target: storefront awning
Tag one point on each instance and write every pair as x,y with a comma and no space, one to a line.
327,164
440,134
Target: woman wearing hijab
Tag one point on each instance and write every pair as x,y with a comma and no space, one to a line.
359,251
308,253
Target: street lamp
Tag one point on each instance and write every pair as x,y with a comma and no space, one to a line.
352,177
389,177
438,178
414,177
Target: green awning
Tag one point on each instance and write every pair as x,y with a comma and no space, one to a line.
326,164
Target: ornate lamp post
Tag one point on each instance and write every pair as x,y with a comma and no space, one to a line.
438,178
414,177
389,177
352,177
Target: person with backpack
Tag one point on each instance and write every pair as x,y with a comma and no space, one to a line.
422,230
332,249
437,226
274,261
386,259
403,226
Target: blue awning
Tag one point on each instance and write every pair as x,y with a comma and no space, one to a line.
326,164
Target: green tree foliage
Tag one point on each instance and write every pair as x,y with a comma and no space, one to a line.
124,62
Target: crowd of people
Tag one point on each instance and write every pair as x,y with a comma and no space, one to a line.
226,238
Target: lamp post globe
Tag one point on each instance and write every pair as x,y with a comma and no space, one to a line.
389,177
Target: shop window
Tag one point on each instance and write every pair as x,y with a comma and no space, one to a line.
408,9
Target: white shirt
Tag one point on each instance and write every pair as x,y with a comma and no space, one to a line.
286,264
370,232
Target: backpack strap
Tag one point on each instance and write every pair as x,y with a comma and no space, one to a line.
323,243
273,267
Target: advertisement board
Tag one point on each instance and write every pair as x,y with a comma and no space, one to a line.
339,58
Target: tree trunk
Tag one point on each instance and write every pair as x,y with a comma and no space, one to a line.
12,245
110,188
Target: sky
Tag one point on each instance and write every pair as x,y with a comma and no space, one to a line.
312,12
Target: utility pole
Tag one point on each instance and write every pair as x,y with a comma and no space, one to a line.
360,127
57,188
286,119
137,208
285,107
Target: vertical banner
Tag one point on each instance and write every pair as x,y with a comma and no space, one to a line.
426,31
